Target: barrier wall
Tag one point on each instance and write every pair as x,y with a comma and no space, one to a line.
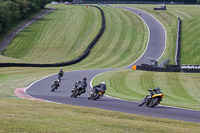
170,68
67,63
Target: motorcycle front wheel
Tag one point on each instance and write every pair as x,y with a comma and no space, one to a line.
53,89
141,102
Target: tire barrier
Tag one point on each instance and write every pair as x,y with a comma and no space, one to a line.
66,63
169,68
178,42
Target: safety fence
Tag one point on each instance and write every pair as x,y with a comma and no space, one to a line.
125,2
169,68
66,63
178,42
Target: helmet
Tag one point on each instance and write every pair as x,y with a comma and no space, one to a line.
60,68
157,87
84,78
103,83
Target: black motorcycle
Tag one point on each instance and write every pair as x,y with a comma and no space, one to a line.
55,85
94,95
152,99
77,90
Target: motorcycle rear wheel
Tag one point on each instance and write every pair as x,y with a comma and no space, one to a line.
76,93
97,97
153,102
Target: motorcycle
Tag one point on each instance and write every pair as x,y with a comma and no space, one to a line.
77,90
55,85
94,95
152,100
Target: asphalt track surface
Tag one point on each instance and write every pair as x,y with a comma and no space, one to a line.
156,45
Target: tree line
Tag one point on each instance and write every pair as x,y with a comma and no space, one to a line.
12,11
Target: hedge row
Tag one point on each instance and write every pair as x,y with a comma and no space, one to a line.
67,63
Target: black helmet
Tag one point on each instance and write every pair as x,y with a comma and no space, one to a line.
84,78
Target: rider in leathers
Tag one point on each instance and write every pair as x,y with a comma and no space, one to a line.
83,84
61,73
99,87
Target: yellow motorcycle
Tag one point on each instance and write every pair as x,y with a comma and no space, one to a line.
152,99
94,95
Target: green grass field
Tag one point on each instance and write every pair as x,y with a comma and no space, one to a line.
56,37
29,116
118,47
180,89
190,30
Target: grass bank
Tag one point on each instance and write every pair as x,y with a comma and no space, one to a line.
59,36
180,89
190,30
30,116
123,41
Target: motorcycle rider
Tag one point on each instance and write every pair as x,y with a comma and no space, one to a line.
56,82
83,83
154,91
61,73
99,87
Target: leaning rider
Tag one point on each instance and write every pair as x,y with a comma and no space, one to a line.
61,73
84,84
57,83
154,91
99,87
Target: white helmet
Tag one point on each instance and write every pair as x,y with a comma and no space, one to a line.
103,83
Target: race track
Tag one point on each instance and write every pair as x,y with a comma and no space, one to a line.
155,48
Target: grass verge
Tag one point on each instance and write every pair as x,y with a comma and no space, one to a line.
31,116
180,89
190,30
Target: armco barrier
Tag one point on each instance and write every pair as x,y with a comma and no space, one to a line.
66,63
170,68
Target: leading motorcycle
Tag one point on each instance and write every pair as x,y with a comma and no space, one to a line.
152,99
94,95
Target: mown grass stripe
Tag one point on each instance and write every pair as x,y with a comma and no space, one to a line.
34,52
119,45
180,90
